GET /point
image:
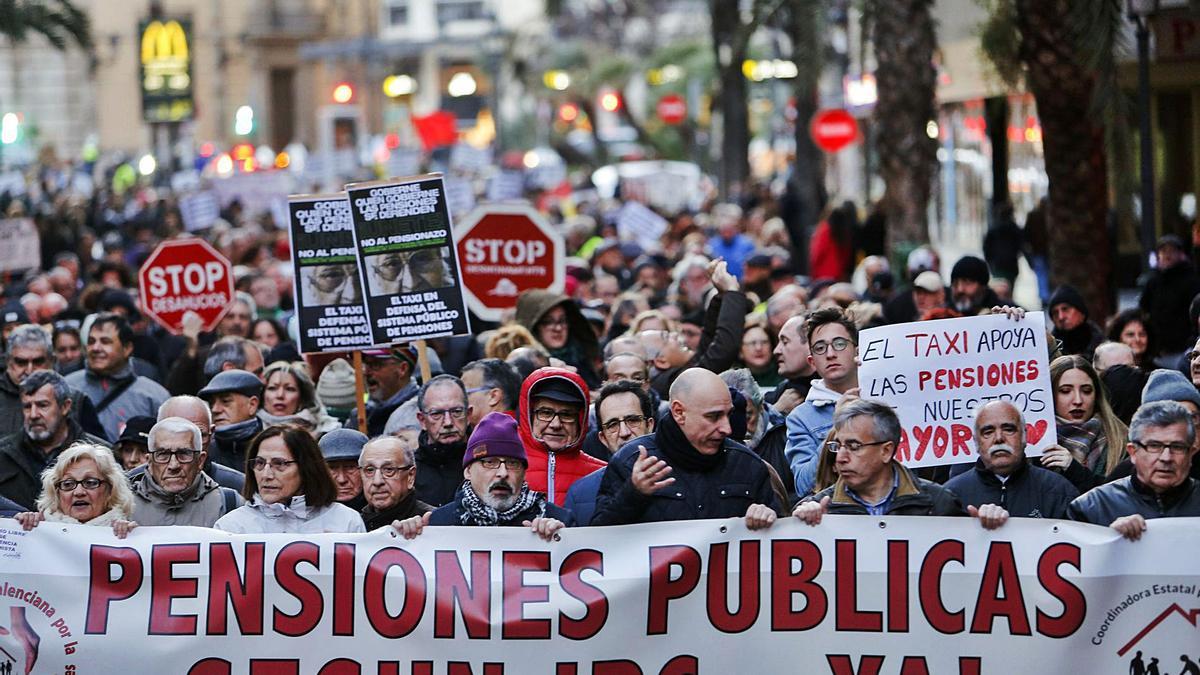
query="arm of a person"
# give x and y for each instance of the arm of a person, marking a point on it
(618, 502)
(722, 351)
(801, 453)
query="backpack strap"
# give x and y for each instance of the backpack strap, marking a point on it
(229, 498)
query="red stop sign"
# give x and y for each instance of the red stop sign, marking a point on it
(185, 275)
(833, 130)
(672, 109)
(503, 250)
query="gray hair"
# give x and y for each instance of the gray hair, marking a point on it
(407, 454)
(120, 498)
(248, 300)
(887, 424)
(404, 417)
(1020, 415)
(185, 398)
(229, 349)
(1160, 414)
(688, 262)
(743, 381)
(440, 381)
(27, 336)
(38, 379)
(175, 425)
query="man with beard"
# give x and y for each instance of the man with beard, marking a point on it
(341, 449)
(1002, 479)
(234, 396)
(388, 468)
(442, 411)
(495, 492)
(46, 431)
(389, 376)
(969, 286)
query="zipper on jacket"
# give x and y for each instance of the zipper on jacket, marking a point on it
(550, 478)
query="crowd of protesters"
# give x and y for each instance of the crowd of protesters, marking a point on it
(701, 377)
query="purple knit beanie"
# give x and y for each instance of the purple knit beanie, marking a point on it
(495, 436)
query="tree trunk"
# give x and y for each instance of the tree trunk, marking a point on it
(730, 52)
(805, 191)
(904, 41)
(1073, 145)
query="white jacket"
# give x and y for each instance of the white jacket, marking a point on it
(259, 517)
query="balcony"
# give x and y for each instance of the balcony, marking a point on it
(284, 20)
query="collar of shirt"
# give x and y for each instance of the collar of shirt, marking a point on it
(879, 508)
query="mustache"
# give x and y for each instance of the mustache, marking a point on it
(1001, 447)
(500, 485)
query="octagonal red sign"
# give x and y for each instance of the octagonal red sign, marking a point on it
(504, 249)
(185, 275)
(833, 129)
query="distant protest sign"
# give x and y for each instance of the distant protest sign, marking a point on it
(936, 373)
(329, 298)
(407, 260)
(20, 248)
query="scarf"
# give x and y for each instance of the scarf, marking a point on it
(678, 450)
(316, 417)
(439, 454)
(103, 520)
(153, 492)
(529, 504)
(239, 432)
(1085, 440)
(296, 506)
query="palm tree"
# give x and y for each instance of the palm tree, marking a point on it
(905, 40)
(59, 21)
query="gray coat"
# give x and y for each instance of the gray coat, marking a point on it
(142, 397)
(200, 505)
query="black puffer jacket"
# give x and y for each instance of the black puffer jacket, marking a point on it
(439, 471)
(1167, 297)
(1128, 496)
(1030, 492)
(914, 497)
(739, 480)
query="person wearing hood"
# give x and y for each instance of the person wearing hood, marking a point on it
(552, 418)
(288, 489)
(1167, 298)
(109, 381)
(969, 289)
(559, 325)
(689, 468)
(174, 490)
(833, 352)
(233, 396)
(1069, 313)
(443, 413)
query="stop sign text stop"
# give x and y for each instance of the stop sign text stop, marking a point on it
(509, 251)
(190, 278)
(182, 276)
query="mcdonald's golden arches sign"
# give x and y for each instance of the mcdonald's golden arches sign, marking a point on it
(166, 59)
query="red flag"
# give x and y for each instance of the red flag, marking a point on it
(436, 129)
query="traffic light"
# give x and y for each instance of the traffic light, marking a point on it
(343, 92)
(610, 101)
(568, 112)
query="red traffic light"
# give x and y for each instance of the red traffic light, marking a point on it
(568, 112)
(343, 92)
(610, 101)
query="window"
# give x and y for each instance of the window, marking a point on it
(397, 13)
(449, 11)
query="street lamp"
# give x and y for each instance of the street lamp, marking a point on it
(1140, 12)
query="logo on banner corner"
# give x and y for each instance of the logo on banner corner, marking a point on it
(1152, 637)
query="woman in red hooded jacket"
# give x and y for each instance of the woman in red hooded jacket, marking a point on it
(552, 418)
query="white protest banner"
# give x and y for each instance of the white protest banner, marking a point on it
(460, 196)
(936, 373)
(404, 162)
(256, 191)
(636, 221)
(854, 595)
(506, 185)
(199, 210)
(467, 158)
(20, 246)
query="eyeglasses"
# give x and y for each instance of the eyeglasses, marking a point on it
(164, 456)
(553, 323)
(387, 471)
(548, 414)
(1156, 448)
(476, 390)
(853, 447)
(277, 465)
(89, 484)
(420, 262)
(493, 463)
(612, 425)
(454, 413)
(838, 344)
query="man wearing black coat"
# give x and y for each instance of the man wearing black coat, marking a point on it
(1168, 296)
(688, 469)
(1069, 313)
(1003, 477)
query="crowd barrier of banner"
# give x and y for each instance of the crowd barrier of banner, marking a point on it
(853, 595)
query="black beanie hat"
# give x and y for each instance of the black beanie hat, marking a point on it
(739, 416)
(971, 268)
(1067, 294)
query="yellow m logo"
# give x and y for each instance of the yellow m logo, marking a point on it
(164, 41)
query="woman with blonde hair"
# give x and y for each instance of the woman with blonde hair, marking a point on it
(651, 319)
(291, 396)
(85, 486)
(1091, 439)
(507, 338)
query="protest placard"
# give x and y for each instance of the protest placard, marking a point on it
(637, 222)
(407, 260)
(936, 373)
(199, 210)
(20, 247)
(325, 283)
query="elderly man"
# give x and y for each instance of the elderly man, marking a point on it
(791, 359)
(442, 412)
(1162, 446)
(492, 386)
(389, 375)
(174, 490)
(388, 469)
(196, 411)
(234, 397)
(1109, 354)
(689, 468)
(495, 492)
(341, 449)
(1002, 478)
(109, 381)
(30, 350)
(552, 417)
(47, 430)
(870, 481)
(970, 293)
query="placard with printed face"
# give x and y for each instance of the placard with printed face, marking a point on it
(408, 266)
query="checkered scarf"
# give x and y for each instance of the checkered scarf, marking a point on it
(529, 505)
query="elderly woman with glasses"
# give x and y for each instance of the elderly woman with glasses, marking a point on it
(84, 487)
(288, 489)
